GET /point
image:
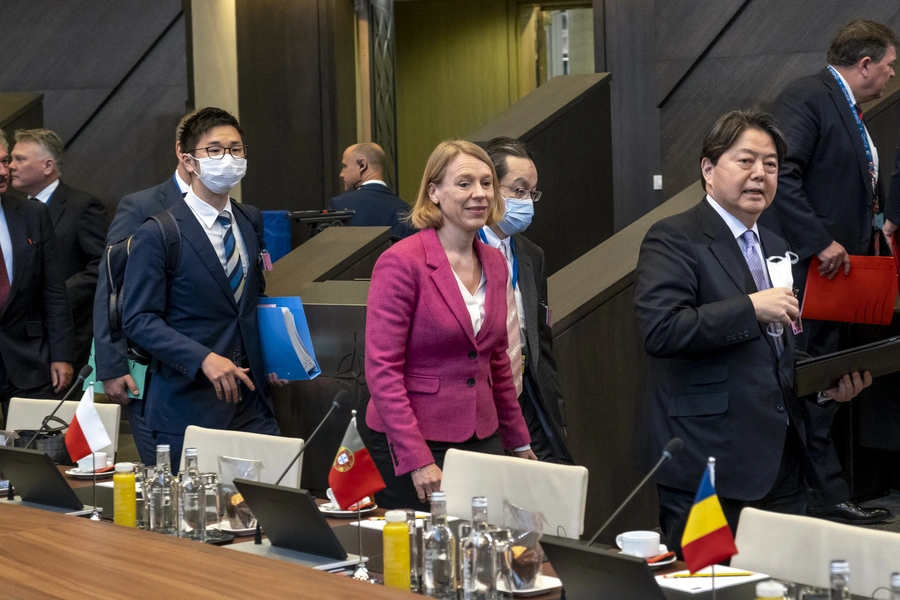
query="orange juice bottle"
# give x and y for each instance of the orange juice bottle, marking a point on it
(396, 550)
(124, 496)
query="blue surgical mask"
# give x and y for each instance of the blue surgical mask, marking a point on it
(518, 216)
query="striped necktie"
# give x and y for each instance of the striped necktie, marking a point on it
(234, 269)
(513, 333)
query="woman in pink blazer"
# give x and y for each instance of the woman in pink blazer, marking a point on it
(436, 361)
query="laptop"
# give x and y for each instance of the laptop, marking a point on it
(291, 519)
(36, 479)
(592, 572)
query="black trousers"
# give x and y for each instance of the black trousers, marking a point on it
(400, 491)
(9, 390)
(546, 441)
(788, 496)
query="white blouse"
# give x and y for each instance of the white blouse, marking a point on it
(474, 302)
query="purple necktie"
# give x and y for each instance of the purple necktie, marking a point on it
(754, 262)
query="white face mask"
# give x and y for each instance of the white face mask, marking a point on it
(518, 216)
(219, 175)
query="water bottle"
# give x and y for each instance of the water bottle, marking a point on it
(191, 499)
(840, 580)
(163, 494)
(396, 550)
(770, 590)
(895, 586)
(503, 558)
(140, 510)
(124, 500)
(439, 549)
(415, 556)
(211, 505)
(465, 530)
(478, 556)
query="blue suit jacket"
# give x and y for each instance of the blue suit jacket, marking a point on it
(375, 205)
(133, 210)
(197, 315)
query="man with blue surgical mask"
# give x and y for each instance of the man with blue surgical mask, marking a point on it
(199, 323)
(542, 404)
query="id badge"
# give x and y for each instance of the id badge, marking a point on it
(879, 221)
(266, 259)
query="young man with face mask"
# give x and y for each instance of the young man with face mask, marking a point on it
(541, 402)
(200, 324)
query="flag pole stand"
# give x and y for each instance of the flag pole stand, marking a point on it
(95, 514)
(361, 573)
(713, 572)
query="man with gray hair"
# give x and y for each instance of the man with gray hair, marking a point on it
(830, 206)
(35, 322)
(79, 223)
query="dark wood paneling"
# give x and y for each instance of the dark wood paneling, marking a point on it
(631, 59)
(563, 114)
(292, 65)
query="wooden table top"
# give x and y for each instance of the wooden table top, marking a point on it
(102, 560)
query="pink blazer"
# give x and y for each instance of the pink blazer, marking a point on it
(430, 377)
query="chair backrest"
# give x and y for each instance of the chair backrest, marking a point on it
(558, 491)
(28, 413)
(274, 451)
(799, 548)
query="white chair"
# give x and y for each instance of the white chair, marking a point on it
(799, 548)
(28, 413)
(558, 491)
(274, 451)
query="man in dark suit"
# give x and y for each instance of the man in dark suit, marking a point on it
(829, 205)
(362, 171)
(79, 223)
(110, 358)
(716, 378)
(35, 322)
(201, 327)
(541, 401)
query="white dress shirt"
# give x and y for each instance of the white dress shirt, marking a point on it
(503, 245)
(207, 215)
(474, 302)
(6, 244)
(44, 194)
(737, 229)
(182, 185)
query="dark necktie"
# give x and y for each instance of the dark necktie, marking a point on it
(234, 269)
(754, 262)
(4, 283)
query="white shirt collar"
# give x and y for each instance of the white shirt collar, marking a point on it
(184, 187)
(737, 228)
(378, 181)
(44, 194)
(493, 239)
(205, 213)
(846, 86)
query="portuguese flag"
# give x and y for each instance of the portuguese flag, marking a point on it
(707, 540)
(353, 475)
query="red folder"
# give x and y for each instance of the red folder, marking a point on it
(867, 295)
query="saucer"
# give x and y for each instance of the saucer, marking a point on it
(543, 583)
(79, 474)
(329, 509)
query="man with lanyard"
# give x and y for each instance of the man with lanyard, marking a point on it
(540, 399)
(828, 205)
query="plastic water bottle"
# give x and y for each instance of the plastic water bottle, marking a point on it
(770, 590)
(124, 497)
(895, 586)
(396, 550)
(163, 494)
(439, 576)
(840, 580)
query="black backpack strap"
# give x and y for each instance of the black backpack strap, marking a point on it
(259, 234)
(171, 234)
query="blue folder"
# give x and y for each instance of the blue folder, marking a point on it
(279, 356)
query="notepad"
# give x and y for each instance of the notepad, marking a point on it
(867, 295)
(699, 585)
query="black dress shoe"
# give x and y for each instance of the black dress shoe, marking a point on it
(851, 513)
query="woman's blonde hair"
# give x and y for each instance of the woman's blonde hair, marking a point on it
(426, 213)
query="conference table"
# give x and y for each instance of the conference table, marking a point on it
(43, 553)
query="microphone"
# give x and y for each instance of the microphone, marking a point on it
(672, 448)
(341, 399)
(83, 374)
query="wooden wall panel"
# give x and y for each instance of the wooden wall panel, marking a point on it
(113, 78)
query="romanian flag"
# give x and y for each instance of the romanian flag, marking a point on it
(353, 474)
(707, 540)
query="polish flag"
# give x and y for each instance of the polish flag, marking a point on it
(86, 433)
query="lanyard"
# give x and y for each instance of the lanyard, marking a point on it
(859, 124)
(515, 259)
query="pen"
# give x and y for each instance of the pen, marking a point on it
(728, 574)
(382, 518)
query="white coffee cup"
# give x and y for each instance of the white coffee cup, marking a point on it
(99, 461)
(643, 544)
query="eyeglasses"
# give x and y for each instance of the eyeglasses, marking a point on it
(522, 193)
(217, 152)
